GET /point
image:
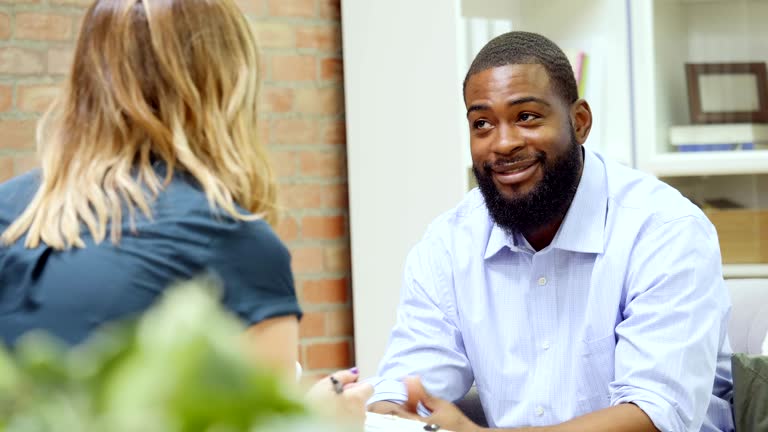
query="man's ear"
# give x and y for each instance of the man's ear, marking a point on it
(581, 119)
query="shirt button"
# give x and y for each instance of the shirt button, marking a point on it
(542, 281)
(545, 345)
(539, 411)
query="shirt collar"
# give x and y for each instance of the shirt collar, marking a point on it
(583, 228)
(497, 241)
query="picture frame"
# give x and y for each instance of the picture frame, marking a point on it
(727, 92)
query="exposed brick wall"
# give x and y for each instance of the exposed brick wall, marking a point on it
(302, 120)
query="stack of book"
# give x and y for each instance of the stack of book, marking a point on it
(578, 60)
(719, 137)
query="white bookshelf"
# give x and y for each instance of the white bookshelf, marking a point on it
(671, 164)
(745, 271)
(665, 35)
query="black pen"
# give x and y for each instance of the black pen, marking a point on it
(337, 386)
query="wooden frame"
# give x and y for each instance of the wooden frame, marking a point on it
(693, 72)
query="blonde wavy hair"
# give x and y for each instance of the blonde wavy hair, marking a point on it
(168, 80)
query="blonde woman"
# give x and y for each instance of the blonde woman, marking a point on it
(151, 173)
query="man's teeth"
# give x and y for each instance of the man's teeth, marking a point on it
(516, 170)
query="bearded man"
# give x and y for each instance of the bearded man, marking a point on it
(575, 293)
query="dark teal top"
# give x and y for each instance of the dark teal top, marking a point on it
(69, 293)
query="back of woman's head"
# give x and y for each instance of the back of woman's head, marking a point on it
(152, 80)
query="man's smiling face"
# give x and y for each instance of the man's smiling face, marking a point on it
(525, 154)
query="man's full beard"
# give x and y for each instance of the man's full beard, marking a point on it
(546, 202)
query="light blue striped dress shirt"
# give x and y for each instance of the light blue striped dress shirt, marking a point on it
(627, 304)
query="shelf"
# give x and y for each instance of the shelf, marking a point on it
(744, 162)
(744, 271)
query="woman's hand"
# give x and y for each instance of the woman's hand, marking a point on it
(346, 406)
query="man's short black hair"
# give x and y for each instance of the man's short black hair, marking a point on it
(519, 47)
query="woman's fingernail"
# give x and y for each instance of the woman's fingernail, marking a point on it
(354, 370)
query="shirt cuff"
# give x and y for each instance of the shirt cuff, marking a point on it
(387, 390)
(661, 413)
(392, 391)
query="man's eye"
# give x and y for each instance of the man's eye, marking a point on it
(482, 124)
(527, 117)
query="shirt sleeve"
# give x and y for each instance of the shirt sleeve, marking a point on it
(255, 270)
(673, 326)
(425, 340)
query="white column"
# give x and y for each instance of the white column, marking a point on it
(404, 146)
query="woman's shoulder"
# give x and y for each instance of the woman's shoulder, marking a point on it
(255, 268)
(250, 249)
(24, 183)
(252, 239)
(16, 194)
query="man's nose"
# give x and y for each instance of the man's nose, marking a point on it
(509, 140)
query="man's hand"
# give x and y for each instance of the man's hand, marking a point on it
(444, 413)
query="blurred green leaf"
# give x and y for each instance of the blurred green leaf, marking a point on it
(179, 368)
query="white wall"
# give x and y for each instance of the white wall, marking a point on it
(404, 146)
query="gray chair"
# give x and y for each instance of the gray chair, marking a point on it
(747, 329)
(748, 326)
